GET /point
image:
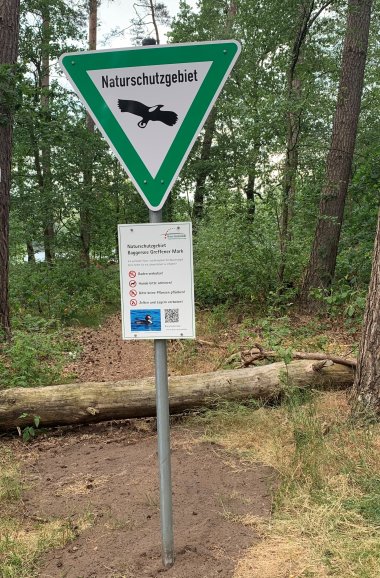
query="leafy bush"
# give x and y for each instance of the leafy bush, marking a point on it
(63, 291)
(32, 358)
(234, 259)
(343, 300)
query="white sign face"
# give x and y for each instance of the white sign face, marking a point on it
(150, 103)
(156, 275)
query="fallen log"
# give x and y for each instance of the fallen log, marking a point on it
(81, 403)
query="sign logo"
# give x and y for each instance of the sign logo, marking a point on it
(148, 113)
(174, 234)
(150, 104)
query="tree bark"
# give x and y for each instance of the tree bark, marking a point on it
(293, 118)
(365, 395)
(321, 267)
(84, 212)
(95, 402)
(306, 19)
(204, 168)
(9, 35)
(153, 14)
(250, 193)
(47, 179)
(30, 251)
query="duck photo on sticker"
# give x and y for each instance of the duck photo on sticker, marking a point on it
(148, 113)
(145, 319)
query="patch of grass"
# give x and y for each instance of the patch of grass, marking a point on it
(65, 292)
(183, 355)
(10, 481)
(327, 505)
(96, 317)
(367, 504)
(23, 540)
(36, 355)
(22, 544)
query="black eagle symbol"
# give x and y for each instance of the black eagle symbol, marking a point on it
(148, 113)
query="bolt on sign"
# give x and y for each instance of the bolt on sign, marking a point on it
(150, 104)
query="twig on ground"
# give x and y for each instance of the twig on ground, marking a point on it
(262, 354)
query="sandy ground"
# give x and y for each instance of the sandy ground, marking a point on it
(107, 476)
(104, 478)
(106, 357)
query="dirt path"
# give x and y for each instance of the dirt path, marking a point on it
(105, 356)
(103, 481)
(106, 478)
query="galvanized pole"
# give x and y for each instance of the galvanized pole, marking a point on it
(163, 433)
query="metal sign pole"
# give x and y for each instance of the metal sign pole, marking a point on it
(163, 433)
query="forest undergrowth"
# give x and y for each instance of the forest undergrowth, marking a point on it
(326, 512)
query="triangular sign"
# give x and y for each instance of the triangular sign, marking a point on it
(150, 104)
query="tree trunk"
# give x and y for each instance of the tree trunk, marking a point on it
(321, 267)
(365, 395)
(306, 19)
(204, 170)
(48, 218)
(204, 167)
(153, 14)
(84, 212)
(293, 117)
(30, 251)
(95, 402)
(9, 33)
(250, 194)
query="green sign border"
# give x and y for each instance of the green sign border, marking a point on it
(223, 55)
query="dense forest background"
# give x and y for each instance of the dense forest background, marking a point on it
(252, 185)
(282, 188)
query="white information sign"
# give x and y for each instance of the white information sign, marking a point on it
(156, 274)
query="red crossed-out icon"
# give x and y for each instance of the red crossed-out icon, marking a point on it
(132, 283)
(133, 302)
(132, 274)
(133, 292)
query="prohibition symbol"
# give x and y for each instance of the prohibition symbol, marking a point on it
(133, 302)
(132, 283)
(133, 292)
(132, 274)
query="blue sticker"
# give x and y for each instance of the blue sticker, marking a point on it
(145, 320)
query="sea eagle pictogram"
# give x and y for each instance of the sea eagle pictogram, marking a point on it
(148, 113)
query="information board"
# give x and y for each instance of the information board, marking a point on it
(156, 274)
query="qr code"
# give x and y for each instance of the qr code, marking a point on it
(171, 315)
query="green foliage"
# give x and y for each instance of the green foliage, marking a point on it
(343, 300)
(42, 297)
(10, 483)
(275, 330)
(30, 431)
(10, 94)
(236, 254)
(368, 504)
(34, 357)
(232, 259)
(65, 291)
